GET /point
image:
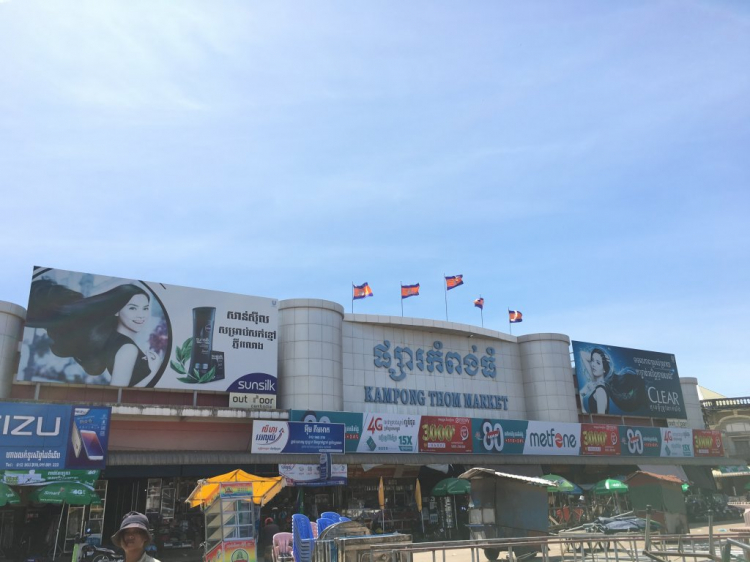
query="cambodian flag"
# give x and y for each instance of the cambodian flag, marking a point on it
(361, 291)
(479, 303)
(409, 291)
(515, 316)
(453, 281)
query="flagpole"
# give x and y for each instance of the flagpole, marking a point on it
(402, 299)
(445, 288)
(510, 326)
(481, 312)
(352, 297)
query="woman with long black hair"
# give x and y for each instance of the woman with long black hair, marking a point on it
(97, 332)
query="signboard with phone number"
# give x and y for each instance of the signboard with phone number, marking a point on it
(53, 436)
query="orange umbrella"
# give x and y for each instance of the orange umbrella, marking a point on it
(381, 500)
(418, 496)
(418, 499)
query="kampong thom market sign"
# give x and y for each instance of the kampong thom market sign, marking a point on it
(52, 436)
(631, 382)
(402, 433)
(402, 361)
(93, 329)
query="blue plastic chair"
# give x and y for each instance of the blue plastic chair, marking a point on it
(335, 517)
(303, 538)
(324, 522)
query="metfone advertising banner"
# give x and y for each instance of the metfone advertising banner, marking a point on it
(640, 441)
(53, 436)
(707, 443)
(548, 438)
(351, 420)
(309, 475)
(631, 382)
(389, 433)
(676, 442)
(499, 436)
(444, 434)
(97, 330)
(297, 437)
(599, 439)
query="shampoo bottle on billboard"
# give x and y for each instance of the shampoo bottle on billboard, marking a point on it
(203, 329)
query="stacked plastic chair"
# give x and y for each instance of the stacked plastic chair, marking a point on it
(303, 538)
(324, 522)
(282, 547)
(332, 515)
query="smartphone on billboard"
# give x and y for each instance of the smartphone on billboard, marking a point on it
(77, 443)
(92, 445)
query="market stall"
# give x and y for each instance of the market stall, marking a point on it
(507, 505)
(231, 506)
(664, 495)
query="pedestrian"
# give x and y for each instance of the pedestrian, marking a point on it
(265, 542)
(133, 537)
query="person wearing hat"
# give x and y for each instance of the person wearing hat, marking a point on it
(133, 537)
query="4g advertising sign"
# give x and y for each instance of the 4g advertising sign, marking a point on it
(389, 433)
(707, 443)
(676, 442)
(599, 439)
(441, 434)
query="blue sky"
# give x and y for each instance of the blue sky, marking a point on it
(583, 162)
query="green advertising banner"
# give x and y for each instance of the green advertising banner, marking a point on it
(41, 477)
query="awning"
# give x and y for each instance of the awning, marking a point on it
(264, 489)
(485, 472)
(700, 476)
(665, 470)
(534, 470)
(727, 471)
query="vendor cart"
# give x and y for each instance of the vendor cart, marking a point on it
(231, 505)
(505, 506)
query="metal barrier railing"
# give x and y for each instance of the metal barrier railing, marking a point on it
(583, 548)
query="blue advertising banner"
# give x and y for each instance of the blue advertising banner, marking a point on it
(53, 436)
(297, 437)
(623, 381)
(351, 420)
(498, 436)
(640, 441)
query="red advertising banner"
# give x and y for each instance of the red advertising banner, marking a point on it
(600, 439)
(707, 443)
(442, 434)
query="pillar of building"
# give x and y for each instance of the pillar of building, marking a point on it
(548, 377)
(12, 318)
(311, 375)
(692, 403)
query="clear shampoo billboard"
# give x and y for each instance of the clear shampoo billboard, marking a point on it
(632, 382)
(97, 330)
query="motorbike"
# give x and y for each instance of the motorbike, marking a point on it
(88, 552)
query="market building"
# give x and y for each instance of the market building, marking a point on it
(388, 397)
(731, 416)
